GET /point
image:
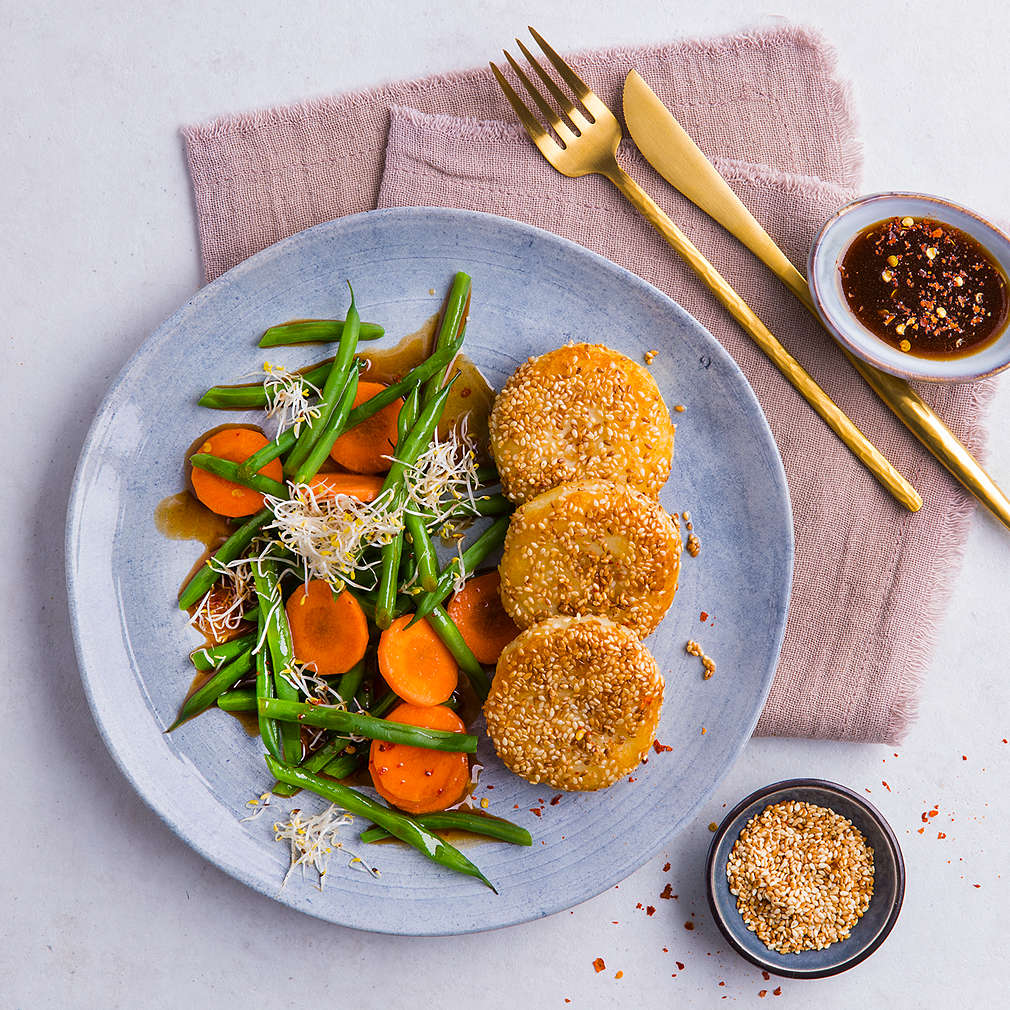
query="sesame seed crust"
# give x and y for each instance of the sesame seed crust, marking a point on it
(582, 410)
(802, 876)
(574, 703)
(591, 547)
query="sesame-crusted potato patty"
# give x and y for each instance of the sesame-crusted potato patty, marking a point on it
(580, 411)
(591, 547)
(574, 703)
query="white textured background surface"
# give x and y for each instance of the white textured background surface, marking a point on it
(103, 905)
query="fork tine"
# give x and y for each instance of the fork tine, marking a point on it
(561, 127)
(537, 133)
(576, 83)
(567, 105)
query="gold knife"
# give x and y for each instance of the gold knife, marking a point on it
(667, 146)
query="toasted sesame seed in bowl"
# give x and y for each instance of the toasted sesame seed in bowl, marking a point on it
(805, 878)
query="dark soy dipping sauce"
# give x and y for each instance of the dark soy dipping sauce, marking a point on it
(925, 287)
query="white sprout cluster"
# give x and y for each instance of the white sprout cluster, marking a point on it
(219, 612)
(288, 397)
(328, 533)
(313, 840)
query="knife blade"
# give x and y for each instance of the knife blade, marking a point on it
(670, 150)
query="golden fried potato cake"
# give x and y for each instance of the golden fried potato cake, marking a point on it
(580, 411)
(574, 703)
(591, 547)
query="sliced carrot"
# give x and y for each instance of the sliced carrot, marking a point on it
(415, 663)
(364, 487)
(366, 447)
(477, 611)
(225, 497)
(329, 633)
(416, 779)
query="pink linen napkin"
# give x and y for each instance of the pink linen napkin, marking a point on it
(871, 579)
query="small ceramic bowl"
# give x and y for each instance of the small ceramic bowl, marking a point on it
(826, 256)
(878, 919)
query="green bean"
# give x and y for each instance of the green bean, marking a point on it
(384, 704)
(345, 764)
(249, 396)
(413, 378)
(334, 384)
(211, 657)
(241, 699)
(314, 331)
(457, 306)
(424, 551)
(270, 732)
(488, 542)
(487, 475)
(282, 444)
(393, 821)
(360, 724)
(331, 431)
(351, 681)
(203, 581)
(444, 626)
(462, 820)
(205, 696)
(410, 443)
(278, 640)
(230, 471)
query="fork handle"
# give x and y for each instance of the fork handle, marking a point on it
(836, 419)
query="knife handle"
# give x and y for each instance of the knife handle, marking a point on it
(710, 191)
(834, 417)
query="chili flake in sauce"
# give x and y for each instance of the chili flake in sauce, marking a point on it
(925, 287)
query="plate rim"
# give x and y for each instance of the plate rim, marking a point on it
(77, 499)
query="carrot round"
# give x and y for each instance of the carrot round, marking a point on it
(328, 633)
(416, 664)
(478, 613)
(225, 497)
(364, 487)
(367, 446)
(415, 779)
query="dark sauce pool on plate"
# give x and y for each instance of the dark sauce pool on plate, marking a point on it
(925, 287)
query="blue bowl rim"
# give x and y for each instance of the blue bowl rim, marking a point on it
(862, 350)
(871, 811)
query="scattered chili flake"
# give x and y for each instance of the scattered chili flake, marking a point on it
(667, 893)
(650, 909)
(631, 778)
(599, 964)
(976, 885)
(964, 757)
(777, 991)
(555, 800)
(762, 993)
(666, 950)
(704, 616)
(703, 731)
(619, 974)
(660, 748)
(679, 407)
(722, 983)
(680, 966)
(941, 834)
(919, 831)
(689, 925)
(666, 867)
(885, 785)
(765, 975)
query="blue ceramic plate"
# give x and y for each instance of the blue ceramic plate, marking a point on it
(532, 292)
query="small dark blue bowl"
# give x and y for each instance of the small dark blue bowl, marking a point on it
(888, 886)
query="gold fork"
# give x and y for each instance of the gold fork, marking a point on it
(589, 136)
